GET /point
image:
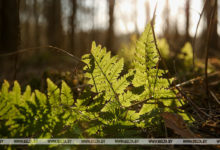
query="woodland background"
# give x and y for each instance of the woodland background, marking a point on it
(73, 24)
(34, 32)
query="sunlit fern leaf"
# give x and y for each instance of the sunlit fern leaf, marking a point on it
(103, 72)
(53, 93)
(148, 75)
(66, 95)
(4, 102)
(35, 114)
(42, 99)
(16, 92)
(27, 94)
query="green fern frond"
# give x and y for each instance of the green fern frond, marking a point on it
(150, 77)
(4, 102)
(16, 92)
(66, 94)
(103, 72)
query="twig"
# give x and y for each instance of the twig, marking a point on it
(215, 97)
(193, 104)
(42, 47)
(207, 50)
(161, 58)
(194, 80)
(150, 98)
(197, 27)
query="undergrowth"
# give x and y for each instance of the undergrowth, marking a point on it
(118, 103)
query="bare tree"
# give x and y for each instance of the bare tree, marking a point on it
(110, 35)
(36, 18)
(212, 7)
(148, 11)
(9, 25)
(54, 24)
(72, 24)
(187, 11)
(167, 17)
(135, 16)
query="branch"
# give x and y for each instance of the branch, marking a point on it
(42, 47)
(197, 27)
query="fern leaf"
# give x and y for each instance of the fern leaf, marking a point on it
(4, 102)
(148, 76)
(103, 72)
(16, 92)
(66, 94)
(41, 97)
(53, 93)
(27, 94)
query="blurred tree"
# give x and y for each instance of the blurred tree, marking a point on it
(148, 11)
(72, 24)
(110, 33)
(9, 25)
(53, 16)
(187, 11)
(167, 19)
(212, 7)
(93, 9)
(36, 18)
(25, 11)
(135, 16)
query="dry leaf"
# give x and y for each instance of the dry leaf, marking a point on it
(177, 124)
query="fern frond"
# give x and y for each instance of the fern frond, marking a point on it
(66, 94)
(149, 76)
(103, 72)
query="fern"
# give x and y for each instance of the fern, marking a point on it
(103, 72)
(148, 77)
(107, 108)
(34, 114)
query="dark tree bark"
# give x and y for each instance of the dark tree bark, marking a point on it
(54, 24)
(212, 6)
(72, 24)
(36, 17)
(187, 20)
(9, 25)
(110, 34)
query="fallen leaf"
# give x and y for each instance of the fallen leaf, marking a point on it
(177, 124)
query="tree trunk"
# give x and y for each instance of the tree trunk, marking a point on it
(36, 17)
(110, 34)
(54, 24)
(9, 25)
(73, 25)
(187, 37)
(212, 6)
(167, 17)
(148, 11)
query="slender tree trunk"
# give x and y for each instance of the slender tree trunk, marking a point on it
(9, 25)
(9, 29)
(110, 35)
(167, 16)
(187, 36)
(211, 6)
(36, 17)
(135, 17)
(73, 24)
(54, 24)
(93, 21)
(148, 11)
